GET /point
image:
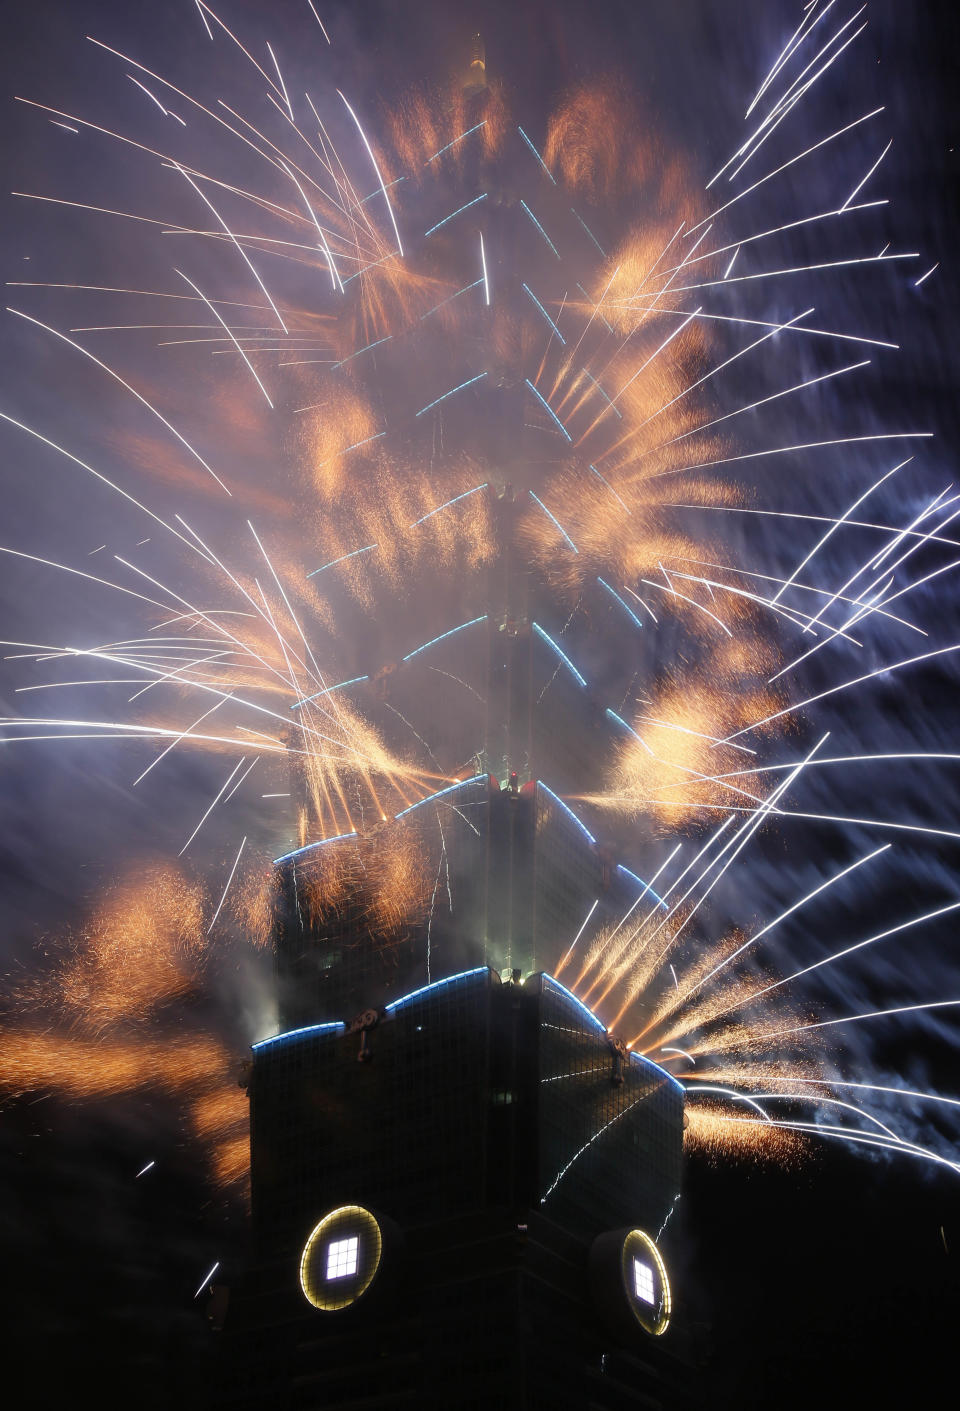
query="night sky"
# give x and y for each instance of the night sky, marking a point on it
(831, 1278)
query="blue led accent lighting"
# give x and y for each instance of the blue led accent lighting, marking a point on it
(448, 503)
(590, 301)
(328, 691)
(453, 631)
(537, 155)
(590, 233)
(614, 594)
(562, 655)
(342, 559)
(578, 1002)
(555, 329)
(439, 795)
(645, 885)
(380, 189)
(343, 361)
(437, 984)
(437, 400)
(540, 227)
(641, 1058)
(450, 298)
(310, 846)
(543, 401)
(603, 394)
(568, 811)
(357, 444)
(555, 520)
(608, 485)
(476, 128)
(457, 212)
(296, 1033)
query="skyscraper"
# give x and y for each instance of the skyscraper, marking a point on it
(461, 1188)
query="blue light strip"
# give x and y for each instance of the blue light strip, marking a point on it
(448, 503)
(645, 885)
(357, 444)
(540, 227)
(380, 189)
(629, 728)
(540, 398)
(437, 400)
(459, 211)
(555, 520)
(590, 233)
(328, 690)
(603, 394)
(451, 788)
(297, 852)
(296, 1033)
(568, 811)
(450, 298)
(608, 485)
(614, 594)
(373, 263)
(549, 320)
(476, 128)
(537, 155)
(562, 655)
(641, 1058)
(578, 1002)
(346, 360)
(342, 559)
(437, 984)
(443, 635)
(590, 301)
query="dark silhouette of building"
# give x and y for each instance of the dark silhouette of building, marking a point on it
(459, 1195)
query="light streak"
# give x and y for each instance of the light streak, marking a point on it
(646, 886)
(626, 607)
(784, 914)
(146, 90)
(540, 228)
(802, 446)
(869, 174)
(376, 169)
(206, 1279)
(216, 800)
(832, 690)
(576, 938)
(918, 282)
(318, 20)
(227, 887)
(617, 412)
(562, 655)
(443, 636)
(283, 86)
(537, 155)
(836, 525)
(144, 1170)
(222, 223)
(798, 269)
(733, 260)
(483, 263)
(551, 516)
(447, 503)
(546, 405)
(342, 559)
(458, 212)
(459, 388)
(229, 333)
(870, 1014)
(123, 383)
(556, 330)
(476, 128)
(674, 592)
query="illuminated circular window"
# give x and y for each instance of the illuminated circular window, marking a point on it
(645, 1282)
(341, 1258)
